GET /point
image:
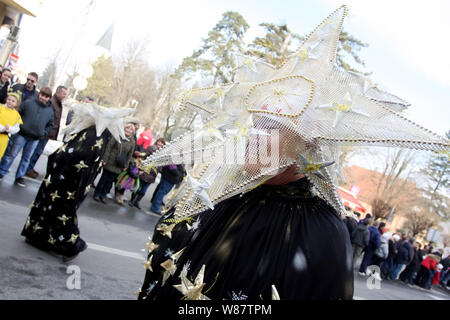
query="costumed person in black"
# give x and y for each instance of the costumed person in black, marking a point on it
(52, 223)
(241, 227)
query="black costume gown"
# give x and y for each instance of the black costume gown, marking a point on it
(273, 235)
(52, 223)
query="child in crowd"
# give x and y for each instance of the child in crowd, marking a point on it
(10, 120)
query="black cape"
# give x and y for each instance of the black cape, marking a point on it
(52, 223)
(273, 235)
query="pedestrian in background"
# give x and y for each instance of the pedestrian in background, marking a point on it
(5, 83)
(10, 120)
(360, 239)
(56, 103)
(147, 178)
(374, 243)
(115, 160)
(28, 90)
(37, 117)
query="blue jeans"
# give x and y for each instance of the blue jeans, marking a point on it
(445, 276)
(164, 188)
(395, 271)
(143, 188)
(15, 145)
(105, 183)
(37, 153)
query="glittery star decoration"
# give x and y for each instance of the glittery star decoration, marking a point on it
(73, 238)
(98, 144)
(47, 180)
(36, 227)
(192, 290)
(51, 240)
(62, 149)
(64, 219)
(307, 167)
(27, 223)
(311, 106)
(166, 230)
(81, 165)
(71, 195)
(87, 189)
(148, 264)
(31, 205)
(170, 268)
(87, 115)
(54, 195)
(151, 246)
(275, 295)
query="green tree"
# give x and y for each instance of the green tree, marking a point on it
(215, 57)
(349, 46)
(100, 83)
(274, 46)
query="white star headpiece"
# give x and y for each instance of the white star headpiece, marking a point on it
(310, 107)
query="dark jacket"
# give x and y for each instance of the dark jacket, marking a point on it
(112, 151)
(4, 92)
(173, 173)
(57, 112)
(360, 236)
(148, 177)
(37, 119)
(375, 238)
(393, 248)
(24, 93)
(351, 224)
(403, 255)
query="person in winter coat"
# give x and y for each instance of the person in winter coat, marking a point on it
(351, 223)
(374, 243)
(56, 103)
(410, 273)
(113, 165)
(171, 175)
(10, 120)
(381, 254)
(403, 258)
(37, 118)
(147, 178)
(28, 89)
(445, 273)
(360, 239)
(388, 265)
(426, 271)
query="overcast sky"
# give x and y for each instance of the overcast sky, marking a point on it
(407, 54)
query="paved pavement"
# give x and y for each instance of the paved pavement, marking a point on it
(111, 266)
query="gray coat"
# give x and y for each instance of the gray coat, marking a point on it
(37, 119)
(112, 151)
(360, 236)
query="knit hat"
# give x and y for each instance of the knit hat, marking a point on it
(15, 95)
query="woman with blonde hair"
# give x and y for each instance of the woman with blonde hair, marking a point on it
(10, 120)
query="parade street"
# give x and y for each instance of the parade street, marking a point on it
(111, 267)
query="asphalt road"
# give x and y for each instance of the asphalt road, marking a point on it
(110, 269)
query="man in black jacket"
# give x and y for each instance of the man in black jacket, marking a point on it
(27, 90)
(56, 103)
(171, 175)
(37, 117)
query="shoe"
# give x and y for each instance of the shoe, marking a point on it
(102, 200)
(32, 174)
(67, 258)
(96, 198)
(20, 182)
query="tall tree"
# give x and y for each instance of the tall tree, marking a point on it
(100, 83)
(274, 46)
(48, 77)
(215, 57)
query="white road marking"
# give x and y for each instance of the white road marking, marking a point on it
(358, 298)
(435, 298)
(118, 252)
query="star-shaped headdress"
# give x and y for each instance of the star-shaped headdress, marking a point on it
(270, 118)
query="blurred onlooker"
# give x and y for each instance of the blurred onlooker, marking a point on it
(27, 90)
(116, 159)
(374, 243)
(360, 239)
(5, 82)
(56, 103)
(410, 273)
(147, 178)
(445, 273)
(404, 256)
(426, 271)
(37, 117)
(10, 120)
(388, 265)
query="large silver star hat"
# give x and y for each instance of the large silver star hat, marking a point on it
(91, 114)
(269, 119)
